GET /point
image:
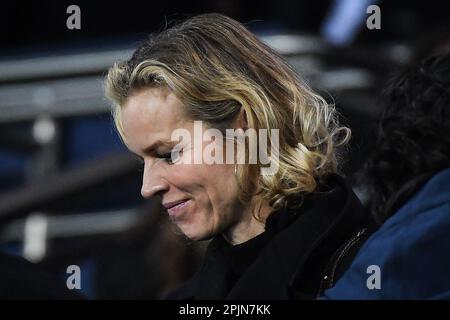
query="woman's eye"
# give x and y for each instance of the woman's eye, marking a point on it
(172, 156)
(167, 157)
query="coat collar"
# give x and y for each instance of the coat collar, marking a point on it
(293, 262)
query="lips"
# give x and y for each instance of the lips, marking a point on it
(172, 204)
(175, 208)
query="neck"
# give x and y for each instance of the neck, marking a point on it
(248, 227)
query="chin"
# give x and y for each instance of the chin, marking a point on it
(195, 233)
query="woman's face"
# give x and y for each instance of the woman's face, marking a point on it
(201, 198)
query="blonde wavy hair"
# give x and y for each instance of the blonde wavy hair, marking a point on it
(215, 66)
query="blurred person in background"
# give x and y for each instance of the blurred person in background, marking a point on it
(273, 236)
(407, 183)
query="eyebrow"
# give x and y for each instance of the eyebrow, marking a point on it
(159, 143)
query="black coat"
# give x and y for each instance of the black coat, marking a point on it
(301, 253)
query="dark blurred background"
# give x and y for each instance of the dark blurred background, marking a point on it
(70, 192)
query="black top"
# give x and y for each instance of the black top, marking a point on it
(237, 258)
(289, 259)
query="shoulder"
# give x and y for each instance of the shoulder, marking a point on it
(329, 229)
(409, 249)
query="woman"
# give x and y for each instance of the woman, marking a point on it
(273, 234)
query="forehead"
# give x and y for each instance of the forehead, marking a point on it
(149, 115)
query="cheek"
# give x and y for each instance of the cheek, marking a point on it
(215, 182)
(219, 185)
(186, 178)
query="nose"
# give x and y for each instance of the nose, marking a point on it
(152, 182)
